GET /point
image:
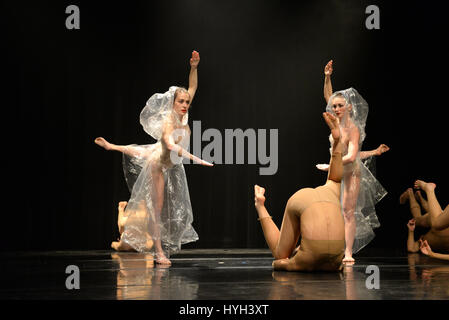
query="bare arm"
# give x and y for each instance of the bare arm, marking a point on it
(193, 76)
(327, 81)
(376, 152)
(336, 164)
(170, 144)
(412, 245)
(425, 248)
(439, 256)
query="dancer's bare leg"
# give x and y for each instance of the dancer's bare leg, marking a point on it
(415, 209)
(439, 219)
(350, 194)
(422, 201)
(290, 228)
(129, 150)
(158, 202)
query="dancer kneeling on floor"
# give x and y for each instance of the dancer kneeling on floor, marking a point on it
(312, 214)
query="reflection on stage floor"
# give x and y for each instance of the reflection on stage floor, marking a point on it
(231, 274)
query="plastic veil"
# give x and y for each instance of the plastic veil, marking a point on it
(358, 180)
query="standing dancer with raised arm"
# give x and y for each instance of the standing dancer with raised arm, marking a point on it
(159, 211)
(360, 189)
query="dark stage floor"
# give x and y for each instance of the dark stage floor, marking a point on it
(234, 274)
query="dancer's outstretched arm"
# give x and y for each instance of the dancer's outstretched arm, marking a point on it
(327, 81)
(376, 152)
(169, 142)
(363, 155)
(193, 76)
(425, 248)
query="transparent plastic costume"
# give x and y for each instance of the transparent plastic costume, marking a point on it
(159, 208)
(363, 183)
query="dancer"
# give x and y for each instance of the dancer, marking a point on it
(439, 219)
(312, 214)
(360, 189)
(122, 221)
(435, 219)
(155, 174)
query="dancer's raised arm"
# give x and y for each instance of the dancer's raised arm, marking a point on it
(336, 164)
(327, 81)
(193, 76)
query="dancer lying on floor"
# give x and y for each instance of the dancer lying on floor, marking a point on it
(434, 218)
(312, 214)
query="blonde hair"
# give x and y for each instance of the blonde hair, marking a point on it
(181, 90)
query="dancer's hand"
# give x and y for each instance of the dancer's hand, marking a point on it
(425, 248)
(333, 125)
(382, 149)
(323, 167)
(411, 225)
(259, 197)
(205, 163)
(328, 68)
(195, 60)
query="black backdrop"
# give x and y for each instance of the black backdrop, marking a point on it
(261, 67)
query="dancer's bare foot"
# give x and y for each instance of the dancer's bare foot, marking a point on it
(405, 196)
(121, 246)
(103, 143)
(426, 186)
(281, 264)
(348, 257)
(162, 259)
(348, 260)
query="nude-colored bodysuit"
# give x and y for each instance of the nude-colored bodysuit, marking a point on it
(322, 228)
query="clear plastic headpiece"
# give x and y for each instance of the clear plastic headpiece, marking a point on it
(156, 111)
(359, 111)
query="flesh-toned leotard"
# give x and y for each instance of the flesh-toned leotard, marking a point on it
(322, 228)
